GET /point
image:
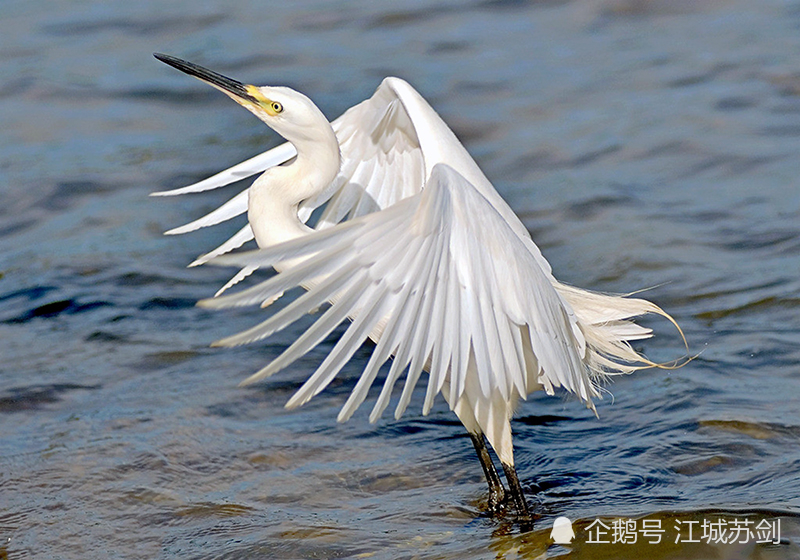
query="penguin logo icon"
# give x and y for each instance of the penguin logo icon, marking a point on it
(562, 532)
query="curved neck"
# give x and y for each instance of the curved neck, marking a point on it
(276, 195)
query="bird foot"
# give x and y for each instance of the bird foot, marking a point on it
(502, 507)
(497, 501)
(525, 519)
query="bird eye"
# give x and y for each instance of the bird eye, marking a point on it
(277, 107)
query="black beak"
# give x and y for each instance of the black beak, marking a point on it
(227, 85)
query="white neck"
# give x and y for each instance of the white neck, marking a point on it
(275, 196)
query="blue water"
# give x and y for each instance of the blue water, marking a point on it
(645, 144)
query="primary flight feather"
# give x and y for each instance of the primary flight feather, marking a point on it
(416, 248)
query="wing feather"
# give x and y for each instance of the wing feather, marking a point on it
(436, 345)
(239, 238)
(316, 333)
(238, 277)
(351, 340)
(414, 278)
(292, 312)
(275, 156)
(399, 344)
(234, 207)
(388, 343)
(419, 334)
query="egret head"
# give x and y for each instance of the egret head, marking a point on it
(289, 113)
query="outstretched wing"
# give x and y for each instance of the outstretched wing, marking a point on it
(382, 161)
(440, 281)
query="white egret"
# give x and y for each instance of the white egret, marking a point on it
(416, 248)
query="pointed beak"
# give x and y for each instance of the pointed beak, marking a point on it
(237, 90)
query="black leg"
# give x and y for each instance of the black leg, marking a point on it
(497, 493)
(518, 496)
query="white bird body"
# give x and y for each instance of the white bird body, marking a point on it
(420, 252)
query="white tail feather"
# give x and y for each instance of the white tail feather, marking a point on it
(605, 321)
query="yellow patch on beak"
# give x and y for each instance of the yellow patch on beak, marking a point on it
(265, 103)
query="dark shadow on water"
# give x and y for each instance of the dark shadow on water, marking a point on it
(30, 293)
(65, 195)
(56, 308)
(30, 398)
(543, 420)
(168, 303)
